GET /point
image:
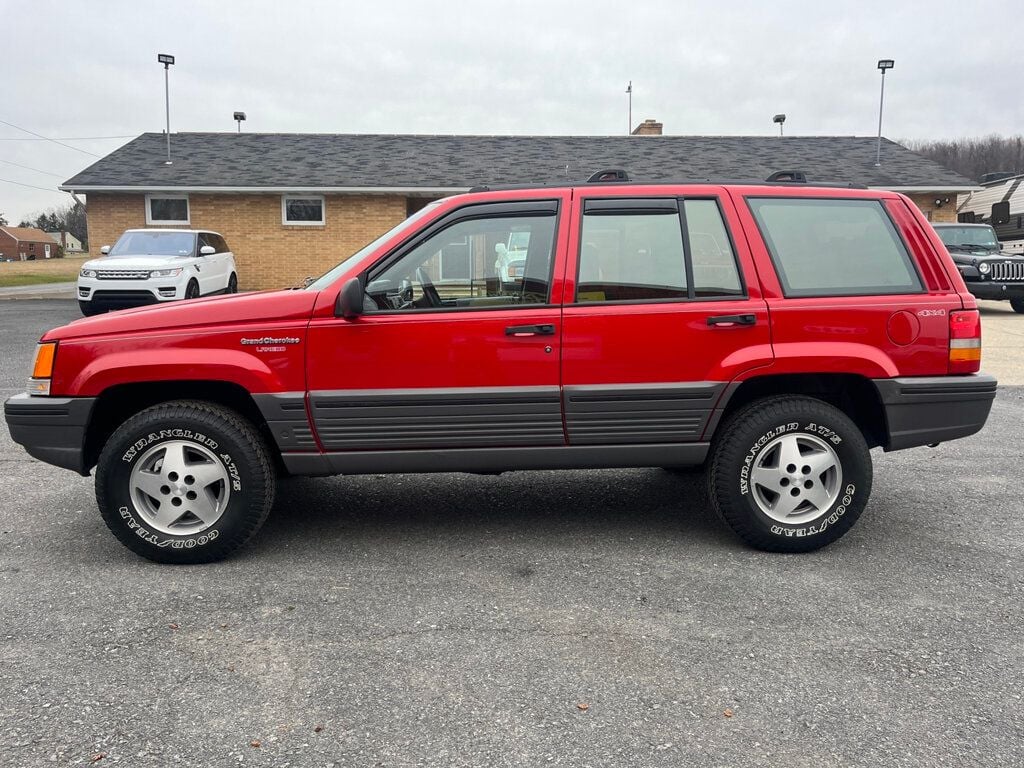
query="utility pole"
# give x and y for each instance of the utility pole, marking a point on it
(166, 59)
(629, 124)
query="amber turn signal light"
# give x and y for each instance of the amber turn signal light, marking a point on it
(45, 354)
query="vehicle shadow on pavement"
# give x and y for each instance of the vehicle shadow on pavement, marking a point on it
(651, 503)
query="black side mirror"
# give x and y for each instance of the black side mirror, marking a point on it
(350, 300)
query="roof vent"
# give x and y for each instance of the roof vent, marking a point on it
(798, 177)
(609, 174)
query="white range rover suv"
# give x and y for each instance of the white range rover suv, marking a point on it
(150, 266)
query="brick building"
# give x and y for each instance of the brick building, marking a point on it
(293, 205)
(26, 244)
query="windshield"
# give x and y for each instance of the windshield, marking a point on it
(980, 237)
(154, 244)
(329, 277)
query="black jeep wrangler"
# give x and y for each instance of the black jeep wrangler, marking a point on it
(988, 272)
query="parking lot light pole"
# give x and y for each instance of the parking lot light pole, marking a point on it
(239, 117)
(780, 119)
(166, 59)
(883, 64)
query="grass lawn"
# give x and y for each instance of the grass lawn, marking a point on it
(14, 273)
(12, 281)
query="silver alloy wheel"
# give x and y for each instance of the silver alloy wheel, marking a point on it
(179, 487)
(796, 478)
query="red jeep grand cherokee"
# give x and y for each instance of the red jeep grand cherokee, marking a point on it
(776, 332)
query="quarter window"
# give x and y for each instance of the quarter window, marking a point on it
(834, 247)
(486, 262)
(302, 210)
(167, 209)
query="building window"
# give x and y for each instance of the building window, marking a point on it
(167, 209)
(302, 210)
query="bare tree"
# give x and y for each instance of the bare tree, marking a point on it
(66, 218)
(974, 157)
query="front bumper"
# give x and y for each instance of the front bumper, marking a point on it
(933, 409)
(120, 294)
(52, 429)
(992, 289)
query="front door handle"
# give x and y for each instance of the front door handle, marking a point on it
(530, 330)
(728, 320)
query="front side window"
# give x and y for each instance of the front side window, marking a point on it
(834, 247)
(475, 263)
(302, 210)
(167, 209)
(631, 257)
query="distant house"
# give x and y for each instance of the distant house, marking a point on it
(292, 205)
(25, 244)
(67, 241)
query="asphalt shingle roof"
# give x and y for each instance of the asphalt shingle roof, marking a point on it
(306, 161)
(28, 234)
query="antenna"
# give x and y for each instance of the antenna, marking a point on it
(629, 124)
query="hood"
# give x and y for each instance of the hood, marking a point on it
(138, 262)
(194, 315)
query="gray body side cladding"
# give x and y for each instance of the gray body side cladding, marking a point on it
(933, 409)
(285, 414)
(496, 459)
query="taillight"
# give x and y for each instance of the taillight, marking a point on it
(965, 341)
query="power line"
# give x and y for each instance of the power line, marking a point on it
(30, 168)
(33, 186)
(26, 130)
(67, 138)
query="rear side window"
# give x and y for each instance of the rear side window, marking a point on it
(632, 257)
(834, 247)
(714, 264)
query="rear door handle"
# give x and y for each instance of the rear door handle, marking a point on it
(530, 330)
(727, 320)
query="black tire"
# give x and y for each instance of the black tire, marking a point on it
(88, 309)
(233, 283)
(756, 433)
(226, 441)
(192, 290)
(1018, 305)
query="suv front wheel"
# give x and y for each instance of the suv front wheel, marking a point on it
(790, 474)
(184, 482)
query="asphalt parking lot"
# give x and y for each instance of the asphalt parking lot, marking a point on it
(554, 618)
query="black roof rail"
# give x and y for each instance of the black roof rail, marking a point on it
(798, 177)
(608, 174)
(671, 182)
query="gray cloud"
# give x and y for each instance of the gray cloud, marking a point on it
(525, 67)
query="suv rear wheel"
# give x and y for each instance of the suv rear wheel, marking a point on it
(790, 474)
(184, 482)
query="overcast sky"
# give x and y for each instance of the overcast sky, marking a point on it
(88, 69)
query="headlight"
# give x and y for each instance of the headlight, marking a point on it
(165, 272)
(87, 273)
(984, 267)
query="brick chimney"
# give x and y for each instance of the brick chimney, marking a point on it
(648, 128)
